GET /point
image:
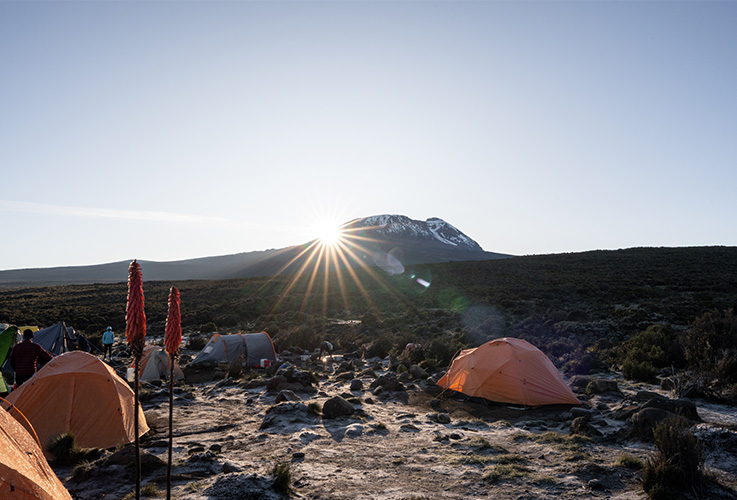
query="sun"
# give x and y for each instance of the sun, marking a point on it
(329, 234)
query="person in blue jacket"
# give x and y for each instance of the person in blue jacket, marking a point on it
(108, 339)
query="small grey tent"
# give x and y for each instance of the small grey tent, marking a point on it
(56, 339)
(253, 347)
(154, 365)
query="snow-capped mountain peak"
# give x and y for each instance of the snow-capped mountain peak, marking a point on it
(432, 231)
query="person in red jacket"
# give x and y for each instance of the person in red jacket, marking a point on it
(25, 356)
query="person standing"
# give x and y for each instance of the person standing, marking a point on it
(24, 358)
(108, 339)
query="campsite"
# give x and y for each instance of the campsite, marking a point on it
(349, 427)
(369, 420)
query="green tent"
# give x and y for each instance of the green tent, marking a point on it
(7, 340)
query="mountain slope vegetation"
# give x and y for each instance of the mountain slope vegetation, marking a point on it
(579, 308)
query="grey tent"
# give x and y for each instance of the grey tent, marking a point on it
(56, 339)
(253, 347)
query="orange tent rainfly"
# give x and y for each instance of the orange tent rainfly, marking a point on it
(24, 472)
(76, 392)
(508, 371)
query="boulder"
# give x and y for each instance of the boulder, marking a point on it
(293, 375)
(345, 366)
(417, 371)
(286, 395)
(581, 426)
(272, 385)
(681, 407)
(644, 421)
(625, 412)
(337, 407)
(579, 382)
(388, 382)
(643, 396)
(600, 386)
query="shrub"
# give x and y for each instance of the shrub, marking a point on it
(711, 345)
(629, 461)
(641, 371)
(678, 463)
(64, 448)
(196, 342)
(380, 347)
(208, 327)
(282, 477)
(644, 354)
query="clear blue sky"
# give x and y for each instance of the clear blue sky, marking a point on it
(168, 130)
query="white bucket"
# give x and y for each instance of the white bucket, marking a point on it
(130, 375)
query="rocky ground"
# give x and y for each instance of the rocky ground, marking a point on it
(352, 429)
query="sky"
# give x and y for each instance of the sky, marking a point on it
(167, 130)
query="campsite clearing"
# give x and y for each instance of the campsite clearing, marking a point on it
(229, 435)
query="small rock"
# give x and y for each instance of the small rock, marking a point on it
(354, 431)
(443, 418)
(216, 448)
(581, 412)
(581, 426)
(356, 385)
(595, 484)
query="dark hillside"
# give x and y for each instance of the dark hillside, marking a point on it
(567, 304)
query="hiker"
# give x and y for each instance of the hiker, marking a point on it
(326, 349)
(108, 339)
(25, 356)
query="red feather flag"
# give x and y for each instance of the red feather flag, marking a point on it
(173, 332)
(135, 317)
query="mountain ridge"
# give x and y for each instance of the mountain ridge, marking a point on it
(368, 241)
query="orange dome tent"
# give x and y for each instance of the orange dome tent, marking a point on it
(24, 472)
(76, 392)
(508, 371)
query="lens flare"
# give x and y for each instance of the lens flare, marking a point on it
(329, 234)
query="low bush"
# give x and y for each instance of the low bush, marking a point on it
(282, 478)
(711, 345)
(64, 448)
(644, 354)
(678, 463)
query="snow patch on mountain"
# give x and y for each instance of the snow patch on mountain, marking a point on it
(434, 229)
